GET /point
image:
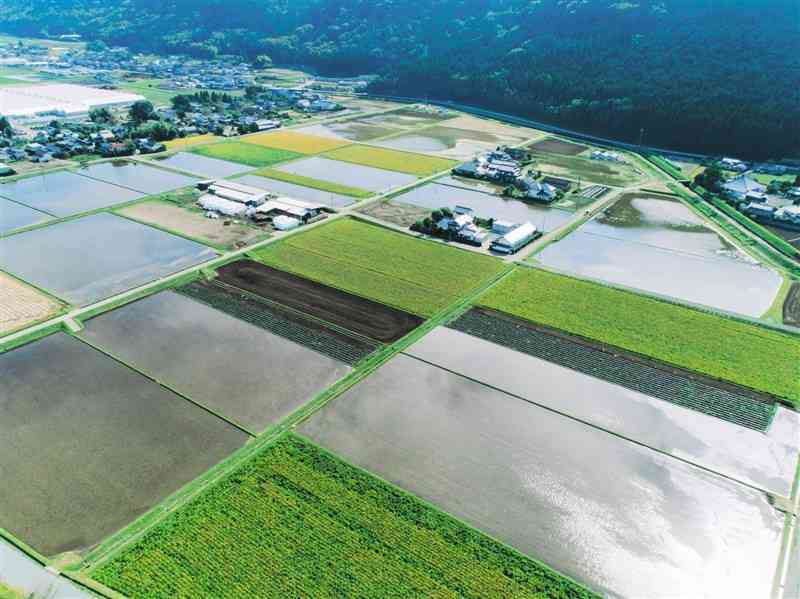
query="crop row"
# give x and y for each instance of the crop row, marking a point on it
(657, 382)
(297, 521)
(750, 355)
(249, 154)
(396, 269)
(280, 322)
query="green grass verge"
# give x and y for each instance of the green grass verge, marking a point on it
(7, 593)
(346, 190)
(249, 154)
(752, 356)
(298, 521)
(392, 160)
(399, 270)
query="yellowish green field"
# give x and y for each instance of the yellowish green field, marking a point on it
(193, 140)
(249, 154)
(419, 276)
(346, 190)
(292, 141)
(392, 160)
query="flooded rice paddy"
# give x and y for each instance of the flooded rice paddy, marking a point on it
(16, 216)
(87, 444)
(658, 245)
(345, 173)
(590, 504)
(203, 165)
(140, 177)
(448, 141)
(352, 130)
(244, 373)
(125, 255)
(64, 193)
(767, 461)
(437, 195)
(298, 192)
(18, 571)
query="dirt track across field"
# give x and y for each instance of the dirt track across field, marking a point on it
(791, 307)
(357, 314)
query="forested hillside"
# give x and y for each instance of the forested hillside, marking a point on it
(715, 76)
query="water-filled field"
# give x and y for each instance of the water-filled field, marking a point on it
(203, 165)
(16, 216)
(128, 254)
(87, 444)
(137, 176)
(448, 141)
(589, 504)
(356, 175)
(350, 130)
(64, 193)
(298, 192)
(240, 371)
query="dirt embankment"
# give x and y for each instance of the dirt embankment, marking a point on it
(791, 307)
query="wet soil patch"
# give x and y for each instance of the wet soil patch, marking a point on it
(556, 146)
(360, 315)
(633, 371)
(791, 307)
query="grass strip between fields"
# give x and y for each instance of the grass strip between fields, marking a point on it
(398, 270)
(392, 160)
(242, 153)
(297, 521)
(755, 357)
(346, 190)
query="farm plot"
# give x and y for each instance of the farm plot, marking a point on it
(469, 449)
(87, 445)
(552, 145)
(192, 140)
(724, 348)
(202, 165)
(348, 174)
(21, 305)
(238, 370)
(474, 123)
(417, 276)
(395, 213)
(407, 118)
(587, 170)
(393, 160)
(460, 144)
(304, 523)
(727, 282)
(296, 142)
(64, 193)
(23, 578)
(139, 177)
(434, 196)
(349, 130)
(548, 375)
(16, 216)
(245, 153)
(55, 257)
(193, 224)
(304, 188)
(791, 307)
(284, 322)
(354, 313)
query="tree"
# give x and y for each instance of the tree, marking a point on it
(142, 111)
(251, 92)
(710, 178)
(102, 116)
(262, 61)
(181, 103)
(6, 130)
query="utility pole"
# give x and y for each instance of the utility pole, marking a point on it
(641, 138)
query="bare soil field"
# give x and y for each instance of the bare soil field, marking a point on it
(396, 213)
(357, 314)
(487, 126)
(791, 307)
(21, 305)
(558, 146)
(193, 224)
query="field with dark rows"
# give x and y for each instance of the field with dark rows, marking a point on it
(418, 276)
(298, 522)
(732, 350)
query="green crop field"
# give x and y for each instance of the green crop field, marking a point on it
(249, 154)
(720, 347)
(7, 593)
(392, 160)
(411, 274)
(296, 521)
(345, 190)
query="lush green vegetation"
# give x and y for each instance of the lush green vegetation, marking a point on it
(720, 347)
(704, 76)
(297, 521)
(7, 593)
(411, 274)
(346, 190)
(392, 160)
(249, 154)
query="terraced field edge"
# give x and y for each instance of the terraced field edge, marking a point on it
(622, 368)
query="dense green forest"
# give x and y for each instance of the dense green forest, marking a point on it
(713, 76)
